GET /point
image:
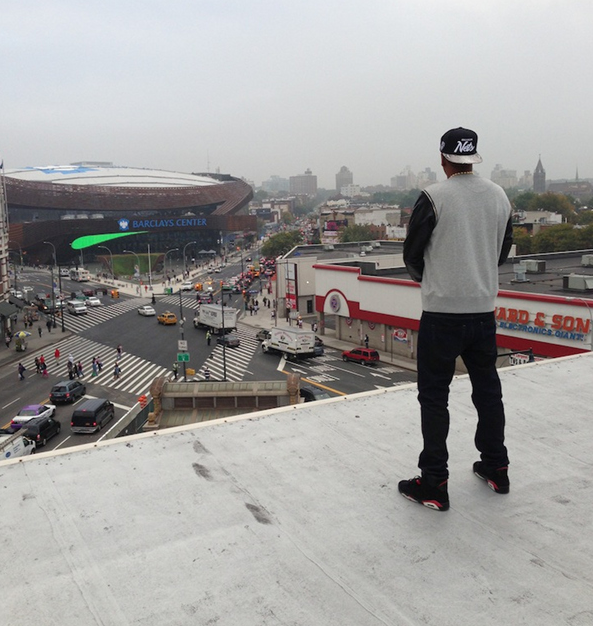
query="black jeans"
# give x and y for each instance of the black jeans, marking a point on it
(441, 339)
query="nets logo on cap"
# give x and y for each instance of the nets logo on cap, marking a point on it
(460, 145)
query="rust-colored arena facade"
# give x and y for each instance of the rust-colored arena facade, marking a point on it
(167, 209)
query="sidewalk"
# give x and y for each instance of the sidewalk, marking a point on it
(36, 345)
(264, 319)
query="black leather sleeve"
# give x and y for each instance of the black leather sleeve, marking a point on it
(422, 223)
(507, 242)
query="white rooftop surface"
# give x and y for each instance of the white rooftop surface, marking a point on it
(109, 176)
(293, 517)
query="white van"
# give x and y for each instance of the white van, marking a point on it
(14, 445)
(76, 307)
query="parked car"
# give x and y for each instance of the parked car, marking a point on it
(146, 310)
(263, 334)
(167, 318)
(309, 393)
(67, 391)
(364, 356)
(93, 301)
(31, 411)
(41, 429)
(231, 340)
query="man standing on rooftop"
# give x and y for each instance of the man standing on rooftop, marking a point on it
(459, 233)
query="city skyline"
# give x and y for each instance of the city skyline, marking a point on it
(254, 88)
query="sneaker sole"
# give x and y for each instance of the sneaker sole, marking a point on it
(431, 504)
(492, 484)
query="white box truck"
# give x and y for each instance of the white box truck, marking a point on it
(292, 343)
(215, 317)
(13, 445)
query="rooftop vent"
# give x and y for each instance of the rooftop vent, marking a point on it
(533, 266)
(577, 282)
(519, 271)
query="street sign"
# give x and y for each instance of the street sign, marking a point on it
(182, 345)
(183, 357)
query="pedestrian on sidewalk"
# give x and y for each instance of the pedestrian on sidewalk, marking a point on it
(99, 364)
(119, 352)
(94, 366)
(48, 327)
(37, 366)
(116, 371)
(21, 371)
(39, 331)
(208, 337)
(70, 370)
(44, 372)
(175, 371)
(79, 372)
(366, 341)
(7, 340)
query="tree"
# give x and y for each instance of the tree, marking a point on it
(522, 239)
(356, 232)
(555, 203)
(281, 243)
(585, 217)
(556, 239)
(521, 202)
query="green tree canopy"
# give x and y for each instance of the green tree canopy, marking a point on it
(522, 239)
(281, 243)
(521, 202)
(356, 232)
(556, 239)
(555, 203)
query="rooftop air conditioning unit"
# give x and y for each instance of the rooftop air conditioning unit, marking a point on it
(587, 260)
(519, 271)
(577, 282)
(533, 266)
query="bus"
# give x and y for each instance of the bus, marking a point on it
(80, 274)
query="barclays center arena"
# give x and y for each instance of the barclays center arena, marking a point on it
(159, 209)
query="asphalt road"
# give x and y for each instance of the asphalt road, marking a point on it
(150, 349)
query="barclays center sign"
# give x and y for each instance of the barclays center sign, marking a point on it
(126, 225)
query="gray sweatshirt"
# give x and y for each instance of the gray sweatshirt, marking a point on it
(460, 231)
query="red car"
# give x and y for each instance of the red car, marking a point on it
(364, 356)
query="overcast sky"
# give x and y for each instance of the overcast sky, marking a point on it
(261, 87)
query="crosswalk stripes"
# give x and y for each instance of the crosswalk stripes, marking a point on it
(237, 359)
(173, 302)
(135, 378)
(97, 315)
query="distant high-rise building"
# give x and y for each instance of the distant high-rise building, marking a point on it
(275, 184)
(303, 184)
(343, 178)
(539, 178)
(507, 179)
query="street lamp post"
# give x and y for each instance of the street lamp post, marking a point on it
(189, 243)
(137, 259)
(111, 256)
(223, 333)
(149, 269)
(181, 330)
(20, 249)
(53, 287)
(61, 301)
(165, 259)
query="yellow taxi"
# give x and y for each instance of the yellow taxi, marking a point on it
(167, 318)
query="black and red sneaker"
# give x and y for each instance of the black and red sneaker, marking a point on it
(496, 479)
(418, 489)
